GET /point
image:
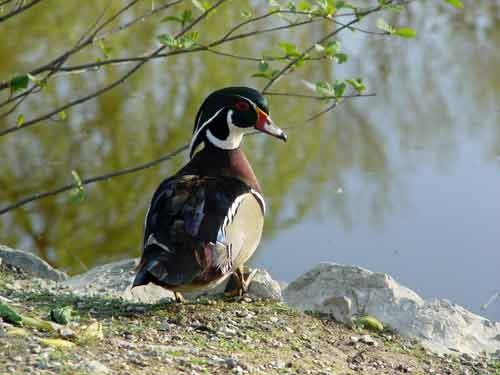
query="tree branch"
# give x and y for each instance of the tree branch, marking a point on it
(114, 84)
(92, 180)
(169, 156)
(18, 10)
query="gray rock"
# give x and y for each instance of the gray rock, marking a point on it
(263, 286)
(30, 263)
(115, 280)
(347, 291)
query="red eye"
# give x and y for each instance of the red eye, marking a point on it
(242, 106)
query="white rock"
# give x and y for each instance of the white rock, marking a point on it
(30, 263)
(115, 279)
(263, 286)
(345, 291)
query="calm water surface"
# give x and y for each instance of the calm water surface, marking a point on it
(405, 183)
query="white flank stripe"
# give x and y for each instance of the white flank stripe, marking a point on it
(260, 198)
(231, 212)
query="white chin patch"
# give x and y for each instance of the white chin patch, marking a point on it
(234, 138)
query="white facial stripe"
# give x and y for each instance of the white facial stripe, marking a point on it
(195, 135)
(234, 138)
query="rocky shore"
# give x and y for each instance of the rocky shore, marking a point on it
(334, 319)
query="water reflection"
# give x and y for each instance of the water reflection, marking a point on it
(432, 94)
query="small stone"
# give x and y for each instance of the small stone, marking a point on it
(231, 363)
(354, 339)
(165, 326)
(66, 332)
(368, 340)
(403, 369)
(35, 349)
(241, 313)
(228, 330)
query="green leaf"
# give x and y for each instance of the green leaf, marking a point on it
(188, 40)
(19, 83)
(77, 178)
(304, 6)
(246, 13)
(168, 40)
(332, 48)
(455, 3)
(324, 89)
(341, 58)
(395, 8)
(186, 17)
(61, 315)
(105, 49)
(77, 194)
(405, 32)
(266, 75)
(369, 322)
(290, 49)
(263, 66)
(382, 25)
(327, 7)
(357, 84)
(62, 115)
(339, 88)
(20, 120)
(171, 18)
(8, 314)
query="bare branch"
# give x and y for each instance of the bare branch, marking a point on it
(317, 97)
(18, 10)
(138, 19)
(147, 165)
(114, 84)
(92, 180)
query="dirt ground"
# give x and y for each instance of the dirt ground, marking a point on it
(202, 337)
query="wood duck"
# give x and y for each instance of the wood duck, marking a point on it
(205, 221)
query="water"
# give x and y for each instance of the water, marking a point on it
(405, 183)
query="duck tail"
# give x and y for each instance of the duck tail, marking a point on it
(142, 277)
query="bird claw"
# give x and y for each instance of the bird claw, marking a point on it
(243, 283)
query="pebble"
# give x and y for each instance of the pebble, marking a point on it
(368, 340)
(165, 326)
(66, 332)
(231, 363)
(238, 370)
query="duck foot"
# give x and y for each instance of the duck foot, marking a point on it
(178, 297)
(242, 283)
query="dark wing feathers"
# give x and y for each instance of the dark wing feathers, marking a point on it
(184, 238)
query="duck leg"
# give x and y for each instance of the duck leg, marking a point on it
(178, 297)
(242, 282)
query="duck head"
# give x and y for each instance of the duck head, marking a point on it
(228, 114)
